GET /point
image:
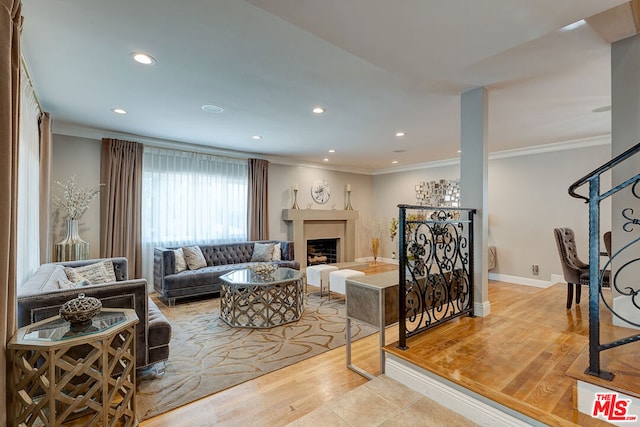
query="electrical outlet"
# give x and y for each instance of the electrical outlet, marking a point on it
(535, 270)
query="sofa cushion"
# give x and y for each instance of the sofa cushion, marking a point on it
(262, 252)
(181, 263)
(194, 257)
(44, 279)
(100, 272)
(277, 252)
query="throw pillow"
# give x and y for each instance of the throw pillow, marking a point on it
(44, 279)
(111, 272)
(194, 257)
(277, 252)
(67, 284)
(262, 252)
(181, 263)
(94, 273)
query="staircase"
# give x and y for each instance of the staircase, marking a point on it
(613, 366)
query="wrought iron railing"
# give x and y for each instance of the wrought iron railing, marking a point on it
(436, 267)
(596, 275)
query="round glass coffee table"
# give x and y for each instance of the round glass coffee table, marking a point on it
(249, 300)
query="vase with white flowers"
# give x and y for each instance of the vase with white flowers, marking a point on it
(73, 202)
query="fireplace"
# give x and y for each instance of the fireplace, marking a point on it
(316, 224)
(322, 251)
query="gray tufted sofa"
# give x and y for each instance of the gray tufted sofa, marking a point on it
(153, 331)
(221, 259)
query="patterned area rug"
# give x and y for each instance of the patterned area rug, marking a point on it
(206, 355)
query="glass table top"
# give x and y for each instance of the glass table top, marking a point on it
(248, 277)
(59, 329)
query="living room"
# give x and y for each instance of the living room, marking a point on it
(526, 185)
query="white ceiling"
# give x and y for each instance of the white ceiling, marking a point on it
(378, 66)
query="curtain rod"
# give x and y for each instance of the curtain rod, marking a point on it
(26, 70)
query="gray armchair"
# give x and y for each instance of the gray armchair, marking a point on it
(576, 272)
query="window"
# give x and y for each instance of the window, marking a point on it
(191, 198)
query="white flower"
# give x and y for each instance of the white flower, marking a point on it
(74, 202)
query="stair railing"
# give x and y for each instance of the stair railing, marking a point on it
(595, 275)
(436, 267)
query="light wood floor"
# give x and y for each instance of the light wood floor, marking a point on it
(283, 396)
(517, 356)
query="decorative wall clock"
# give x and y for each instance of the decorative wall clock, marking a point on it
(320, 191)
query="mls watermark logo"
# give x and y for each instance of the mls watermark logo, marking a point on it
(612, 408)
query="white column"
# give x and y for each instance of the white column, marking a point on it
(625, 133)
(474, 160)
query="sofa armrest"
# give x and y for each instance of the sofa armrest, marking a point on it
(164, 264)
(287, 250)
(125, 294)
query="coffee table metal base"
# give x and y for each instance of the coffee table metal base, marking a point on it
(261, 305)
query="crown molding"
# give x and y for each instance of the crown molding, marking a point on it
(594, 141)
(81, 131)
(61, 127)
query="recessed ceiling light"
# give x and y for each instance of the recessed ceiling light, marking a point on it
(318, 110)
(209, 108)
(400, 134)
(459, 151)
(143, 58)
(601, 109)
(326, 160)
(394, 162)
(119, 111)
(574, 25)
(256, 137)
(332, 151)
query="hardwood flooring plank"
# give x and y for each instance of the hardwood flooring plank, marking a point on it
(517, 356)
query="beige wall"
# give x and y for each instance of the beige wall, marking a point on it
(79, 157)
(399, 188)
(527, 199)
(282, 178)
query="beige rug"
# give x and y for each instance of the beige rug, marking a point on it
(206, 355)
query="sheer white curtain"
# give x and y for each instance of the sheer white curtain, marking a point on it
(190, 198)
(28, 241)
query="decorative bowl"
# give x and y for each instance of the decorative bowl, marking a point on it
(81, 310)
(263, 269)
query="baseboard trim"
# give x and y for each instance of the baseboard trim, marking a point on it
(471, 405)
(520, 280)
(482, 309)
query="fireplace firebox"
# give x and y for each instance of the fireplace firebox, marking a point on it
(322, 251)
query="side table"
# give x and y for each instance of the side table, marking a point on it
(374, 301)
(58, 374)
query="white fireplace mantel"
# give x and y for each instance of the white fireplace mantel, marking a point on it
(301, 221)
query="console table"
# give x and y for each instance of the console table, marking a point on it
(59, 373)
(374, 301)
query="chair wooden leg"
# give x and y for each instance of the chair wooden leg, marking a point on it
(569, 295)
(578, 292)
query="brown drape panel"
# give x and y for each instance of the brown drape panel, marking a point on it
(121, 202)
(10, 27)
(257, 203)
(46, 162)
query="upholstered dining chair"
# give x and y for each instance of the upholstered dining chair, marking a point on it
(576, 272)
(607, 242)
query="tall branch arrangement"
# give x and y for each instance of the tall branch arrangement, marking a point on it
(73, 201)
